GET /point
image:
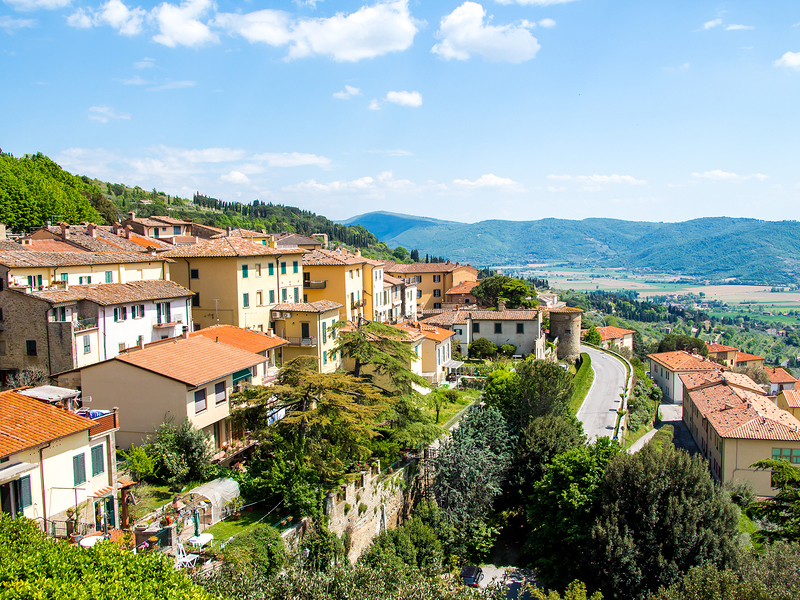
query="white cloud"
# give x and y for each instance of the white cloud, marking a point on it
(9, 24)
(26, 5)
(718, 175)
(293, 159)
(534, 2)
(374, 104)
(738, 27)
(790, 59)
(413, 99)
(547, 23)
(600, 179)
(145, 63)
(488, 180)
(104, 114)
(348, 92)
(369, 32)
(560, 188)
(371, 187)
(680, 68)
(180, 25)
(136, 80)
(174, 85)
(235, 177)
(114, 14)
(710, 24)
(463, 33)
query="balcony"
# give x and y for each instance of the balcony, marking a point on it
(315, 285)
(161, 322)
(82, 324)
(358, 303)
(307, 342)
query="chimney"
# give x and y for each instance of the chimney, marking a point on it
(64, 230)
(270, 333)
(501, 305)
(228, 231)
(132, 215)
(128, 230)
(358, 251)
(185, 332)
(141, 342)
(91, 229)
(272, 242)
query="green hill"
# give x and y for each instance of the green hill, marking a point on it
(749, 250)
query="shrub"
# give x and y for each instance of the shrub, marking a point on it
(482, 348)
(258, 551)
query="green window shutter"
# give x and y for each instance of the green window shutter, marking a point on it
(24, 488)
(294, 266)
(272, 295)
(244, 271)
(324, 334)
(98, 465)
(271, 269)
(109, 277)
(283, 268)
(79, 469)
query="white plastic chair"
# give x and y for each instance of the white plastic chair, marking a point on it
(182, 559)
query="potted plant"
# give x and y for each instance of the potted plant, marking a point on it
(70, 522)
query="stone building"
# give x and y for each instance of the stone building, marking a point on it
(565, 326)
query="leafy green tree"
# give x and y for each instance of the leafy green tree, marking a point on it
(413, 427)
(482, 348)
(260, 550)
(574, 591)
(380, 349)
(537, 388)
(412, 543)
(182, 452)
(470, 469)
(514, 292)
(330, 417)
(782, 511)
(676, 341)
(508, 349)
(593, 336)
(32, 565)
(400, 253)
(439, 398)
(562, 509)
(539, 441)
(662, 514)
(139, 462)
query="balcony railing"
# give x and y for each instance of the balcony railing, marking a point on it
(315, 285)
(162, 322)
(358, 303)
(85, 323)
(308, 342)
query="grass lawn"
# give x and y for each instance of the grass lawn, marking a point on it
(249, 520)
(582, 382)
(450, 409)
(632, 436)
(149, 497)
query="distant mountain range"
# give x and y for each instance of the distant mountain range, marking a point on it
(749, 250)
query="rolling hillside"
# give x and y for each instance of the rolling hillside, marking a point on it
(749, 250)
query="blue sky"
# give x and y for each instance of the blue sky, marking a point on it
(509, 109)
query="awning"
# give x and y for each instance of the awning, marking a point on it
(51, 393)
(241, 375)
(14, 471)
(452, 364)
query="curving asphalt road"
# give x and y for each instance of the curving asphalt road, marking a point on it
(599, 410)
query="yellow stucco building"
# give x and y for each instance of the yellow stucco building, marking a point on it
(237, 282)
(307, 328)
(338, 276)
(433, 280)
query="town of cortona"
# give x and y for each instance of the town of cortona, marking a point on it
(398, 300)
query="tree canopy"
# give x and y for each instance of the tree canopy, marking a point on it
(675, 341)
(782, 511)
(514, 292)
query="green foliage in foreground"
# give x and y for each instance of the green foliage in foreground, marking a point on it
(259, 551)
(782, 511)
(582, 383)
(35, 566)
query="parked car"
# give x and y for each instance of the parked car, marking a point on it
(472, 575)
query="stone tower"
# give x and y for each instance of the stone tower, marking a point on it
(565, 324)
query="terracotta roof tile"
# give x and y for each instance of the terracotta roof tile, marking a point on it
(792, 398)
(228, 246)
(445, 267)
(321, 257)
(51, 246)
(319, 306)
(26, 423)
(107, 294)
(431, 332)
(565, 309)
(66, 259)
(392, 280)
(447, 319)
(245, 339)
(193, 361)
(720, 348)
(745, 357)
(502, 315)
(779, 375)
(680, 360)
(9, 246)
(465, 287)
(613, 333)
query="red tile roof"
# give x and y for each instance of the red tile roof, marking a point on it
(193, 361)
(680, 360)
(792, 398)
(318, 307)
(31, 258)
(740, 415)
(745, 357)
(779, 375)
(321, 257)
(565, 310)
(226, 247)
(445, 267)
(26, 423)
(106, 294)
(714, 348)
(429, 331)
(614, 333)
(51, 246)
(245, 339)
(465, 287)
